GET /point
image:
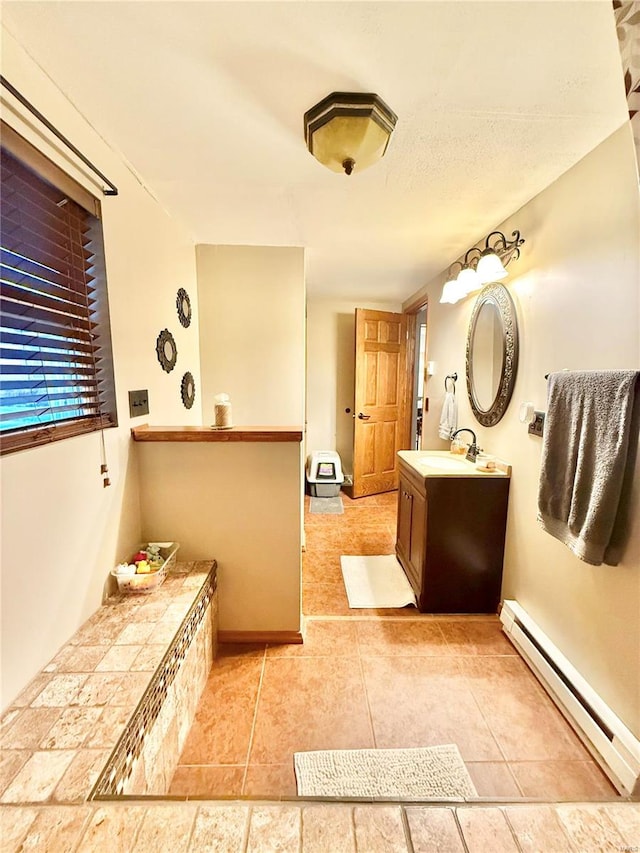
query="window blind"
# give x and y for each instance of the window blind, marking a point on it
(55, 343)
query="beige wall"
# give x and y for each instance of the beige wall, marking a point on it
(251, 302)
(331, 333)
(576, 290)
(240, 504)
(62, 531)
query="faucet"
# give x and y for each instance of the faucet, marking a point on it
(473, 450)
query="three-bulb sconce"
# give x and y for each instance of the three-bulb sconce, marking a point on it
(481, 266)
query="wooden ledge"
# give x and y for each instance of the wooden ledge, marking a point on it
(202, 433)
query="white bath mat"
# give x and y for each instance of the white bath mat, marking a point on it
(433, 773)
(376, 582)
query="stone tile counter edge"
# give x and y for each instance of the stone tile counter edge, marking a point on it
(110, 713)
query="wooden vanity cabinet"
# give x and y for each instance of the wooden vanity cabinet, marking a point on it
(450, 540)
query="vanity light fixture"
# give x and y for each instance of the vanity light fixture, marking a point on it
(349, 131)
(489, 265)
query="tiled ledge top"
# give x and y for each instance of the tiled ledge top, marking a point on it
(318, 827)
(58, 734)
(208, 433)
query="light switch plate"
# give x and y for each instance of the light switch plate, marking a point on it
(138, 403)
(536, 427)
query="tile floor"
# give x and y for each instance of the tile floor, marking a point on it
(379, 679)
(213, 827)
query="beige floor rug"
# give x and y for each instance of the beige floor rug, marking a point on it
(376, 582)
(423, 773)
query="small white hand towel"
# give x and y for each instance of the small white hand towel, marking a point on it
(449, 416)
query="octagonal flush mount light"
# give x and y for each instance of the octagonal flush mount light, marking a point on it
(349, 131)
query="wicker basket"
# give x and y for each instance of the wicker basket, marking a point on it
(146, 583)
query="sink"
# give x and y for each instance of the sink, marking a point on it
(444, 463)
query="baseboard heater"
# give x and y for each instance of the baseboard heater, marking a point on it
(611, 743)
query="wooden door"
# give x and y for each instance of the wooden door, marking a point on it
(382, 401)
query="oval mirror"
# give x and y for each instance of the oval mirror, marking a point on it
(492, 354)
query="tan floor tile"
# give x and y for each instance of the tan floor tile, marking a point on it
(82, 658)
(221, 731)
(326, 710)
(130, 689)
(434, 829)
(119, 659)
(486, 829)
(388, 638)
(135, 633)
(32, 690)
(328, 828)
(108, 727)
(537, 829)
(39, 776)
(325, 599)
(153, 611)
(98, 689)
(70, 729)
(33, 725)
(493, 779)
(81, 775)
(60, 691)
(207, 780)
(14, 825)
(8, 719)
(423, 701)
(562, 780)
(274, 828)
(240, 651)
(149, 658)
(379, 829)
(322, 568)
(220, 829)
(522, 718)
(321, 638)
(477, 638)
(270, 780)
(589, 829)
(165, 631)
(11, 761)
(166, 828)
(112, 830)
(626, 818)
(56, 829)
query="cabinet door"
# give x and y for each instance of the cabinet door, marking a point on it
(418, 534)
(404, 520)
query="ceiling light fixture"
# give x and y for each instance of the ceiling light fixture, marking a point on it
(489, 265)
(349, 131)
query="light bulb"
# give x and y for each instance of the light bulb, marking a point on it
(490, 267)
(468, 280)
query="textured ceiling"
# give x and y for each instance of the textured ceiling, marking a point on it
(205, 99)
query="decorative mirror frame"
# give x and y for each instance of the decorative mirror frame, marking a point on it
(498, 294)
(167, 362)
(183, 305)
(188, 390)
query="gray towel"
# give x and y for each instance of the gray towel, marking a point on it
(588, 460)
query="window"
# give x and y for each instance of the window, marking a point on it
(55, 341)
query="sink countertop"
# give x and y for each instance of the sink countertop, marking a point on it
(442, 463)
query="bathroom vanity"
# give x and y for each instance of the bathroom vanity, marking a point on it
(452, 521)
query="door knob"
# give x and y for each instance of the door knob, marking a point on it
(363, 417)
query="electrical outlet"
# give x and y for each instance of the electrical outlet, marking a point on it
(138, 403)
(536, 427)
